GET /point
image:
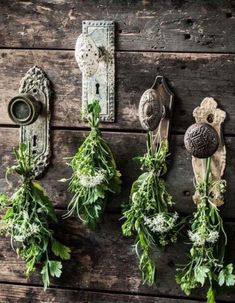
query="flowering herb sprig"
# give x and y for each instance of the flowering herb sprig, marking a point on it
(94, 173)
(208, 239)
(146, 214)
(26, 221)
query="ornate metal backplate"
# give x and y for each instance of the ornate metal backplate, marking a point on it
(95, 56)
(35, 83)
(155, 109)
(208, 112)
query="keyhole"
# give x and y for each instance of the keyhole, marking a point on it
(34, 141)
(97, 88)
(34, 144)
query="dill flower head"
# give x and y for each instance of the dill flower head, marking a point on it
(161, 223)
(92, 181)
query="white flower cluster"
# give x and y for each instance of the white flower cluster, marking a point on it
(92, 181)
(161, 223)
(213, 236)
(200, 239)
(20, 232)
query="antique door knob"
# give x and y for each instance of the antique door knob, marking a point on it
(151, 109)
(87, 55)
(24, 109)
(201, 140)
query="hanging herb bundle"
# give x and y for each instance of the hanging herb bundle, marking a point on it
(146, 214)
(94, 173)
(26, 221)
(208, 238)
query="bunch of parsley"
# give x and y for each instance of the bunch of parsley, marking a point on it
(208, 238)
(146, 215)
(94, 173)
(26, 221)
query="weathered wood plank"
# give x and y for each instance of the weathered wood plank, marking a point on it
(29, 294)
(125, 146)
(141, 25)
(192, 78)
(104, 260)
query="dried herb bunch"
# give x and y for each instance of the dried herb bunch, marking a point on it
(94, 173)
(146, 214)
(208, 239)
(26, 221)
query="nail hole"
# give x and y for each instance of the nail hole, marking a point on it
(34, 90)
(120, 31)
(212, 194)
(189, 22)
(97, 88)
(210, 118)
(186, 193)
(171, 263)
(182, 112)
(183, 66)
(187, 36)
(159, 80)
(229, 15)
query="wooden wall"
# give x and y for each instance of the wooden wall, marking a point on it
(190, 42)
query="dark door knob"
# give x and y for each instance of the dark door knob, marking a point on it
(24, 109)
(201, 140)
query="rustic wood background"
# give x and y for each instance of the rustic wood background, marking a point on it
(190, 42)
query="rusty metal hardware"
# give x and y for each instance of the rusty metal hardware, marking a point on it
(155, 109)
(94, 53)
(31, 110)
(204, 139)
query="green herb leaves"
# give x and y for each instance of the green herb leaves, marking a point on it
(27, 222)
(94, 173)
(208, 238)
(60, 250)
(226, 276)
(50, 268)
(146, 214)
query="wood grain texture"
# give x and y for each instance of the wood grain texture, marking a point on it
(29, 294)
(104, 260)
(125, 146)
(192, 77)
(163, 25)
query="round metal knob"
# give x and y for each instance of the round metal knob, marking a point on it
(201, 140)
(151, 109)
(24, 109)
